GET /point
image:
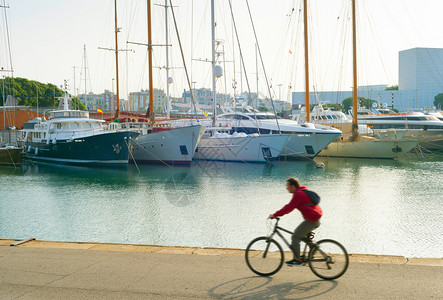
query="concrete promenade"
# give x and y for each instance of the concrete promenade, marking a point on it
(61, 270)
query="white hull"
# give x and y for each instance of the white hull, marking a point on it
(176, 145)
(307, 146)
(369, 149)
(306, 141)
(261, 148)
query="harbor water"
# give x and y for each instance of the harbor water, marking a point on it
(370, 206)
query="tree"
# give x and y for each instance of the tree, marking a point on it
(336, 107)
(27, 92)
(262, 109)
(438, 101)
(392, 88)
(77, 104)
(364, 102)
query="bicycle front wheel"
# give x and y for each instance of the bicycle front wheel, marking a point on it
(264, 256)
(328, 260)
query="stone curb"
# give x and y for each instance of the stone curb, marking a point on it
(360, 258)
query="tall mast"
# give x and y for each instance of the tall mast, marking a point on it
(74, 81)
(84, 60)
(305, 21)
(256, 72)
(214, 94)
(354, 89)
(167, 61)
(116, 62)
(151, 84)
(4, 107)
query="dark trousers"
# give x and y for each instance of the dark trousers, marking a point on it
(299, 234)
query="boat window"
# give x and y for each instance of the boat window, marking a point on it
(264, 117)
(59, 126)
(329, 117)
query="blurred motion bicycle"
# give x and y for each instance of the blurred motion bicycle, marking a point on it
(327, 258)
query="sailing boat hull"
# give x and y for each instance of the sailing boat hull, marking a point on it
(176, 145)
(369, 149)
(262, 148)
(306, 146)
(10, 156)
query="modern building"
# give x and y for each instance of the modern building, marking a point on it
(105, 101)
(139, 101)
(204, 96)
(420, 73)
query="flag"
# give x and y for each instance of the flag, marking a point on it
(206, 114)
(290, 52)
(99, 111)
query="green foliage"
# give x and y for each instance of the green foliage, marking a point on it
(392, 88)
(438, 101)
(77, 104)
(364, 102)
(262, 109)
(336, 107)
(26, 91)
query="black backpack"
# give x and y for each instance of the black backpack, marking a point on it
(315, 198)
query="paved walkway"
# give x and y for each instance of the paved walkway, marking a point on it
(48, 270)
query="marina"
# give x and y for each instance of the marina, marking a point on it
(221, 149)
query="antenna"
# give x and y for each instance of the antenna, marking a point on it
(84, 75)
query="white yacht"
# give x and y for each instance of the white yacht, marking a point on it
(241, 147)
(304, 141)
(222, 143)
(428, 129)
(384, 144)
(333, 118)
(307, 140)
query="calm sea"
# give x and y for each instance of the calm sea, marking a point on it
(371, 206)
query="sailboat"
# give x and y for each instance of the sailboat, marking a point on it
(219, 144)
(363, 146)
(10, 154)
(156, 144)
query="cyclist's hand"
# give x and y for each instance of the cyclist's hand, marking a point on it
(271, 216)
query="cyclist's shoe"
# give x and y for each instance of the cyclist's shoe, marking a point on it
(294, 262)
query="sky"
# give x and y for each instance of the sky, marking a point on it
(47, 40)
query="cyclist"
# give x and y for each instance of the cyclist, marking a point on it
(310, 212)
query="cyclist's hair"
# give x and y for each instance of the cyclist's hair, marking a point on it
(293, 181)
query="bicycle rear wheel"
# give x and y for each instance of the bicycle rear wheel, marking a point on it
(328, 260)
(264, 256)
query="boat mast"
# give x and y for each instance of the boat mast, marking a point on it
(4, 108)
(116, 62)
(168, 112)
(354, 89)
(305, 21)
(256, 71)
(214, 95)
(151, 84)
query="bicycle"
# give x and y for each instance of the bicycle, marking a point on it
(327, 259)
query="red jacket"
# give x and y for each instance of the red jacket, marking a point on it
(299, 200)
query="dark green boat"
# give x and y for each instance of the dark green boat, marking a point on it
(10, 156)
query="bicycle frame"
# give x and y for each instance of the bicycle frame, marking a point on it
(308, 243)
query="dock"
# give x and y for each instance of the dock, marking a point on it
(74, 270)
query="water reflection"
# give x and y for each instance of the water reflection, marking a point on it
(371, 206)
